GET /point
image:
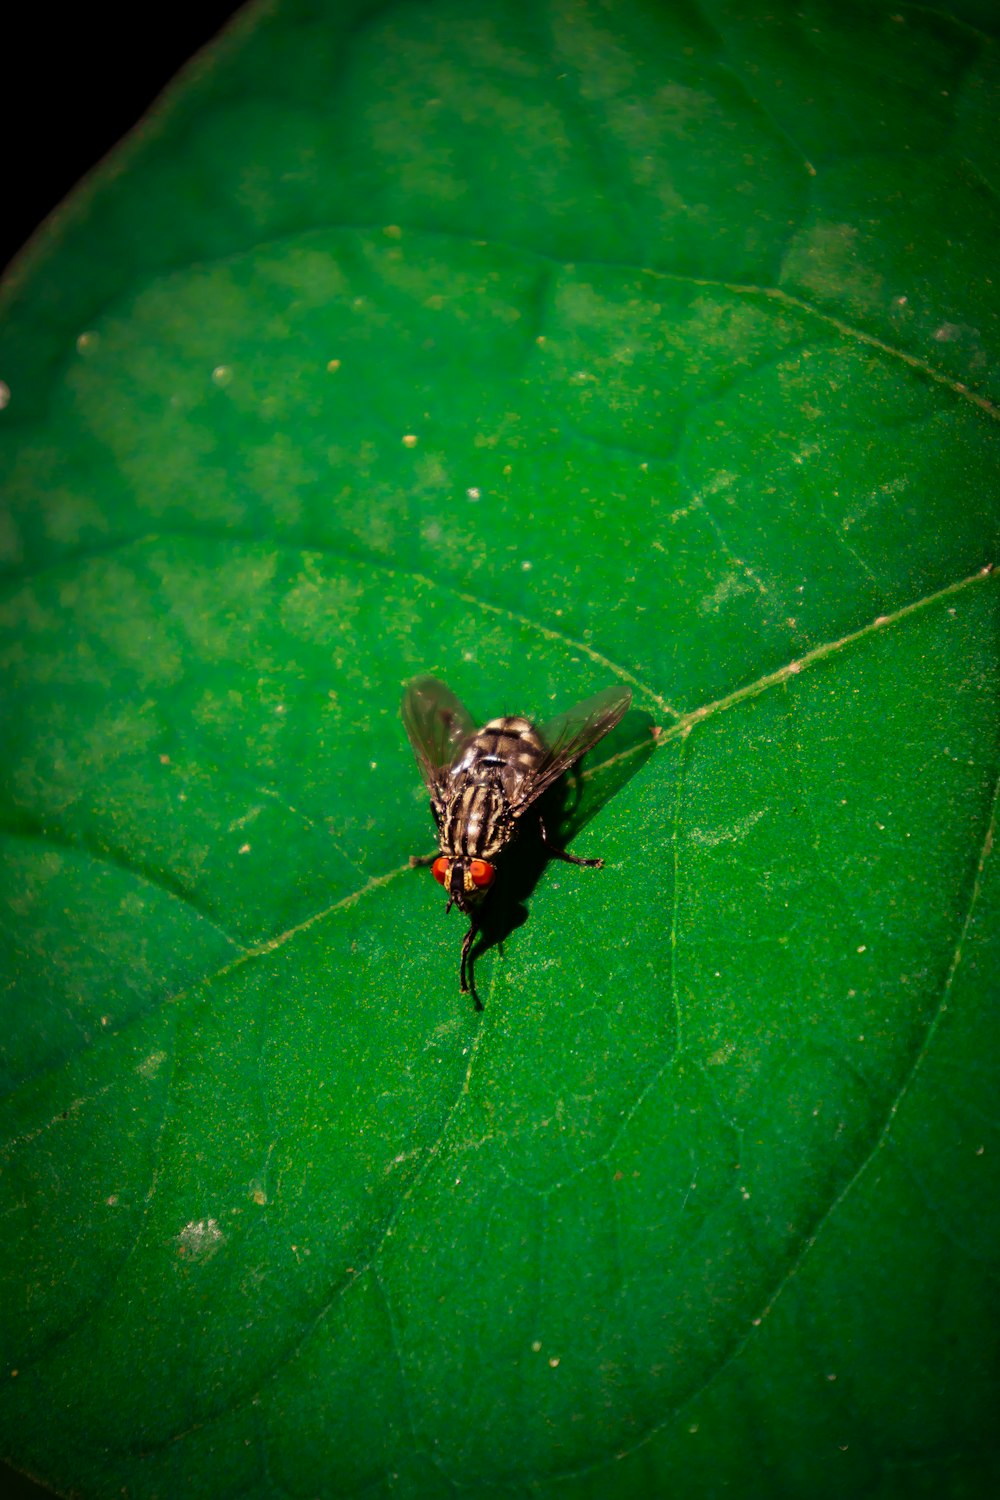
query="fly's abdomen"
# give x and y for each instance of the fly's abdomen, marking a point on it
(509, 742)
(507, 750)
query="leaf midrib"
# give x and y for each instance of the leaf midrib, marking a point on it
(680, 729)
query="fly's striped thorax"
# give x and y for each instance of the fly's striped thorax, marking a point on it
(476, 822)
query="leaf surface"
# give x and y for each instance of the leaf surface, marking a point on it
(541, 349)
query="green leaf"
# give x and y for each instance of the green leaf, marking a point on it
(541, 348)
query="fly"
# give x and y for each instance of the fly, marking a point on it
(483, 781)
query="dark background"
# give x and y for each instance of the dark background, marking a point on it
(74, 80)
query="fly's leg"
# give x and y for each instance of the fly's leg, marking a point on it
(469, 988)
(571, 859)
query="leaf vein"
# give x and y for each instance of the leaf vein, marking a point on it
(882, 1139)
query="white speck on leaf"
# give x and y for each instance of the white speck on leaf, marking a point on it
(200, 1239)
(709, 837)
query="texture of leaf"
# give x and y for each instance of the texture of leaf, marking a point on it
(541, 348)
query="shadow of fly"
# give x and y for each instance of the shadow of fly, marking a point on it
(482, 782)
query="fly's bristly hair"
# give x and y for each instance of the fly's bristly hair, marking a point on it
(482, 781)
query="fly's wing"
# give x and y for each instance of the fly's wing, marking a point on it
(437, 722)
(570, 735)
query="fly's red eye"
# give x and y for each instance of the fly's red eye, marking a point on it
(439, 869)
(481, 872)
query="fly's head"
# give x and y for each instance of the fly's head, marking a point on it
(466, 880)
